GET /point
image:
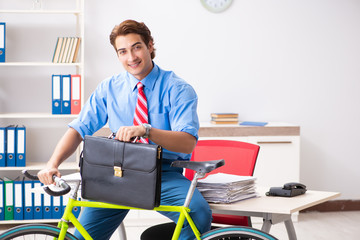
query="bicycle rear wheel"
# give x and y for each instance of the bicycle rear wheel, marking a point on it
(34, 231)
(234, 233)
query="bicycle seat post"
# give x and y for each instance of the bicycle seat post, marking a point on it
(192, 188)
(200, 168)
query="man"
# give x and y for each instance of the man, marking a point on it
(171, 121)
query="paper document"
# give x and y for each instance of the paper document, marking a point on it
(227, 188)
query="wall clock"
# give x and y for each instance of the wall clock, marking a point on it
(216, 6)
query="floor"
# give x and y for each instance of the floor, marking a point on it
(311, 225)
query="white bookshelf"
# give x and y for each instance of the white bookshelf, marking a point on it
(41, 127)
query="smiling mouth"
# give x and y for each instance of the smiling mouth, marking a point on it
(134, 65)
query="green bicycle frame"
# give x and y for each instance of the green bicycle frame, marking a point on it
(68, 216)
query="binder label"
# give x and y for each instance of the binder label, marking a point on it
(9, 194)
(21, 141)
(47, 200)
(2, 36)
(2, 41)
(66, 89)
(76, 88)
(2, 137)
(18, 198)
(11, 142)
(2, 199)
(56, 86)
(28, 197)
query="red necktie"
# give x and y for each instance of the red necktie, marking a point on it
(141, 111)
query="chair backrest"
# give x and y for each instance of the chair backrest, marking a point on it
(240, 159)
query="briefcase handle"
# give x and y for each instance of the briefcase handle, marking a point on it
(133, 139)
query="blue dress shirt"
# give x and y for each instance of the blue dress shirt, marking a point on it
(172, 105)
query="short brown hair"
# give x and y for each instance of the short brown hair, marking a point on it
(132, 26)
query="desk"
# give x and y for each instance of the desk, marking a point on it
(275, 209)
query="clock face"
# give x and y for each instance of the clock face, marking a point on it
(216, 5)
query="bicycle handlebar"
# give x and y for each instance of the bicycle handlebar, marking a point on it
(58, 181)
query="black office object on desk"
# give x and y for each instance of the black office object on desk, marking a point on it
(289, 190)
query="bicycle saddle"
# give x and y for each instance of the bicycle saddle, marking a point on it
(200, 167)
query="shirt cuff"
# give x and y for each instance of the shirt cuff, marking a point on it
(190, 130)
(80, 128)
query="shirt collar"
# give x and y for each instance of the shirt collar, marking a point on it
(148, 81)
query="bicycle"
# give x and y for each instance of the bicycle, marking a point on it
(61, 231)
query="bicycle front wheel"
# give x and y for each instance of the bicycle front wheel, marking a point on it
(234, 233)
(34, 231)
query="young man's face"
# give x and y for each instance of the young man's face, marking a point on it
(134, 55)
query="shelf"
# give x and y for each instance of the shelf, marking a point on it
(40, 64)
(36, 115)
(41, 165)
(29, 221)
(41, 11)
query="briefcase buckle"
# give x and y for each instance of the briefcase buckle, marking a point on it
(117, 171)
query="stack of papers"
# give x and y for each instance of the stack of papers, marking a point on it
(227, 188)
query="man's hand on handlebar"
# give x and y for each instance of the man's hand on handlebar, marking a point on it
(46, 175)
(57, 181)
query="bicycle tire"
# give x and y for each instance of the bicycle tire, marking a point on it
(233, 233)
(34, 231)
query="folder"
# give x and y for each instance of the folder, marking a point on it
(2, 199)
(66, 93)
(28, 200)
(75, 94)
(38, 202)
(3, 147)
(56, 207)
(9, 198)
(2, 41)
(62, 50)
(57, 50)
(18, 200)
(20, 159)
(11, 146)
(77, 48)
(65, 49)
(47, 213)
(68, 54)
(74, 49)
(56, 94)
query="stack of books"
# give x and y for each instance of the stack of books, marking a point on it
(224, 118)
(227, 188)
(66, 50)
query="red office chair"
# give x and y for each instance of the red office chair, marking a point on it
(240, 159)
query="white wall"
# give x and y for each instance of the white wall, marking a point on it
(289, 61)
(268, 60)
